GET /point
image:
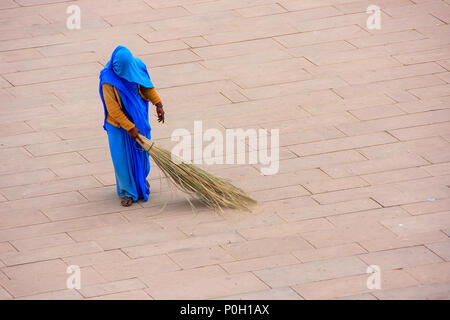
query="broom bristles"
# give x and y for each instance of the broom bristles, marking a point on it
(215, 192)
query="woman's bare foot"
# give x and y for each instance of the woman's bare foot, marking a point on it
(126, 201)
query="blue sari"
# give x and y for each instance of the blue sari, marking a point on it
(131, 162)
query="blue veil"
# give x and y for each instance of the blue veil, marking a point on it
(128, 67)
(126, 73)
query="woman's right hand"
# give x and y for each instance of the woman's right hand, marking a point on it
(134, 134)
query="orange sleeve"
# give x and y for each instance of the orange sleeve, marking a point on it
(149, 94)
(113, 107)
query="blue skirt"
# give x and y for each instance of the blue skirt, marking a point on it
(131, 164)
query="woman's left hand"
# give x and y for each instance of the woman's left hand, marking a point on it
(160, 112)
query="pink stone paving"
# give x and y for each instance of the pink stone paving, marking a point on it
(364, 168)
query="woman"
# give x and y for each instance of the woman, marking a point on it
(125, 89)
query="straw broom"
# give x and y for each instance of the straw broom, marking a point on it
(215, 192)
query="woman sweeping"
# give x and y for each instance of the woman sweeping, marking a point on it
(125, 89)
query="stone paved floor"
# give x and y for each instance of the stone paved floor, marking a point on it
(364, 159)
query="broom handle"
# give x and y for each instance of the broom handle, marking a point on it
(143, 145)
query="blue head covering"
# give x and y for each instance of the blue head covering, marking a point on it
(126, 73)
(128, 67)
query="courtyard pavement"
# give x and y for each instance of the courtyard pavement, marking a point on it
(364, 158)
